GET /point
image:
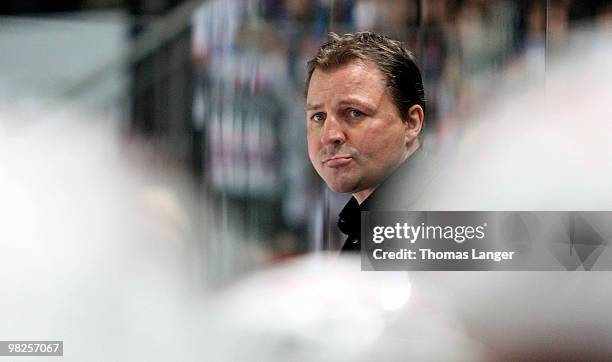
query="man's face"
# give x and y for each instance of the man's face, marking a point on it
(356, 136)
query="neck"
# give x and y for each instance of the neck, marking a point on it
(362, 195)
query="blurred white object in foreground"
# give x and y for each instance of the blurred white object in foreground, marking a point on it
(94, 247)
(323, 308)
(542, 146)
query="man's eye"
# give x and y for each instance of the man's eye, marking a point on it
(355, 113)
(318, 117)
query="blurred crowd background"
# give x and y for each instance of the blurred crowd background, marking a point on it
(214, 88)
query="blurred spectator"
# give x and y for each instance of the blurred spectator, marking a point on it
(557, 23)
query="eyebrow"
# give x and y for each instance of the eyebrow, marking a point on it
(310, 107)
(356, 101)
(346, 101)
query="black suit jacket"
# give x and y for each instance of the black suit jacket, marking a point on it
(399, 192)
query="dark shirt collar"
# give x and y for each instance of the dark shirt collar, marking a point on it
(349, 217)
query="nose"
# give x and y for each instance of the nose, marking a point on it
(332, 132)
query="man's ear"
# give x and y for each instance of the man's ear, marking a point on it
(413, 122)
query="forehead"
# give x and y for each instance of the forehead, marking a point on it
(354, 78)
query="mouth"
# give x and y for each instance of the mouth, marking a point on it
(337, 161)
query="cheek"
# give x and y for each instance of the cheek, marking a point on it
(313, 149)
(380, 146)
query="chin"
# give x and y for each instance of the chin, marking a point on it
(341, 187)
(341, 190)
(343, 182)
